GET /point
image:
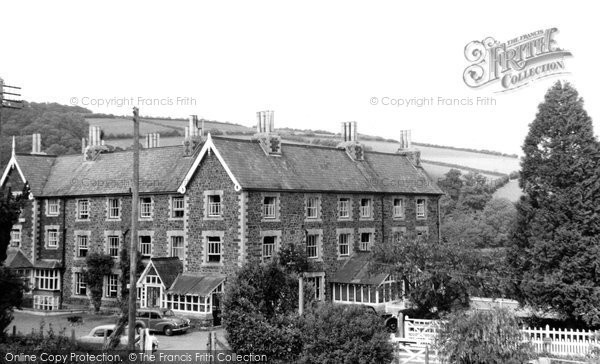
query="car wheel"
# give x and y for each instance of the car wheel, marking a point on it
(392, 325)
(168, 330)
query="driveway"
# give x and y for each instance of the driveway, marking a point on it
(25, 322)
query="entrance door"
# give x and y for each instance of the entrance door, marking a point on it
(152, 296)
(216, 308)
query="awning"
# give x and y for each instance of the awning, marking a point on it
(356, 270)
(200, 284)
(16, 259)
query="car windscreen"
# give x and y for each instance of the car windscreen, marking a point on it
(168, 313)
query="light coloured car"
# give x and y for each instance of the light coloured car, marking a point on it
(98, 334)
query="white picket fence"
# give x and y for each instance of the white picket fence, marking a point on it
(422, 333)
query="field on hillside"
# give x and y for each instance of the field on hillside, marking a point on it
(483, 161)
(124, 126)
(511, 191)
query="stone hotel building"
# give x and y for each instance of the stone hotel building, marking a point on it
(211, 204)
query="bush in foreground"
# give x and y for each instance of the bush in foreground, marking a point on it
(486, 337)
(344, 334)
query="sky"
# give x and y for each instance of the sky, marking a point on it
(315, 63)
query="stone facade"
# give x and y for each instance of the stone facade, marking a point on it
(240, 226)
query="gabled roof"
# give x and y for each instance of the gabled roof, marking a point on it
(168, 269)
(16, 259)
(356, 270)
(161, 170)
(167, 169)
(314, 168)
(201, 284)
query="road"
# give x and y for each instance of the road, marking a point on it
(26, 322)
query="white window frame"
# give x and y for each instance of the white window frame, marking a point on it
(111, 209)
(270, 212)
(175, 208)
(365, 246)
(46, 303)
(142, 251)
(79, 284)
(52, 236)
(172, 247)
(83, 214)
(347, 208)
(214, 208)
(214, 248)
(398, 212)
(421, 212)
(398, 233)
(111, 286)
(146, 208)
(347, 243)
(313, 207)
(16, 236)
(109, 247)
(79, 247)
(47, 279)
(310, 238)
(366, 212)
(318, 277)
(52, 207)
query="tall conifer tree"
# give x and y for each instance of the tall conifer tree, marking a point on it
(556, 244)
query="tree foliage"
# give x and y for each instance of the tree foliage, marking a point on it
(344, 334)
(439, 274)
(259, 312)
(482, 337)
(98, 265)
(556, 243)
(62, 128)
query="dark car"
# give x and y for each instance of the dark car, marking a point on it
(390, 321)
(161, 320)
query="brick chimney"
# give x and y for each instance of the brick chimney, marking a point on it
(152, 140)
(265, 133)
(405, 148)
(193, 135)
(36, 144)
(350, 143)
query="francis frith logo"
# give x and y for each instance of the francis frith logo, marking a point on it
(516, 62)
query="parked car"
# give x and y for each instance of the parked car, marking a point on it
(161, 320)
(97, 335)
(391, 322)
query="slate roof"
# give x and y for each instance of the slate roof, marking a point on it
(168, 269)
(162, 170)
(36, 169)
(316, 168)
(356, 271)
(16, 259)
(201, 284)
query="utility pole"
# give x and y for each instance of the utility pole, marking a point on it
(8, 103)
(134, 229)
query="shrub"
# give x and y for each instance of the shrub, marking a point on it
(98, 265)
(473, 337)
(344, 334)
